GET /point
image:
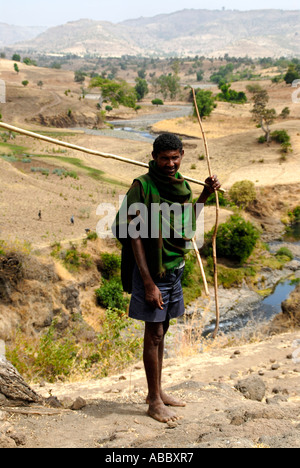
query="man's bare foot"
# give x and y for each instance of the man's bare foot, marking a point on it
(157, 410)
(169, 400)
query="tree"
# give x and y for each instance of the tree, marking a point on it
(141, 88)
(169, 84)
(25, 83)
(173, 85)
(28, 61)
(224, 74)
(292, 74)
(200, 75)
(205, 102)
(16, 68)
(230, 95)
(79, 76)
(40, 84)
(142, 73)
(115, 92)
(16, 58)
(264, 116)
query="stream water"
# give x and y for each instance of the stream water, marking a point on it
(263, 310)
(138, 129)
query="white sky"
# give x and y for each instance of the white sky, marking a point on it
(55, 12)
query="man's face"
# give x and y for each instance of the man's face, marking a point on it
(168, 162)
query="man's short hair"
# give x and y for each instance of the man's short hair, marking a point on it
(167, 142)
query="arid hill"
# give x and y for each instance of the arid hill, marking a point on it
(256, 33)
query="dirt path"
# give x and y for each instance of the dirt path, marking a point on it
(216, 416)
(54, 103)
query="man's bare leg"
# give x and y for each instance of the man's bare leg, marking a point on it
(167, 399)
(153, 359)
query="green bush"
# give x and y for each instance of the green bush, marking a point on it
(205, 103)
(187, 279)
(284, 252)
(236, 239)
(46, 358)
(282, 137)
(157, 102)
(72, 259)
(117, 345)
(110, 265)
(230, 95)
(110, 294)
(40, 169)
(242, 193)
(295, 215)
(222, 199)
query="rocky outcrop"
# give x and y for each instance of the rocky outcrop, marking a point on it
(68, 120)
(290, 316)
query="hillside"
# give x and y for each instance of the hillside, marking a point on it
(10, 34)
(189, 32)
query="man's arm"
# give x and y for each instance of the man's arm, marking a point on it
(152, 293)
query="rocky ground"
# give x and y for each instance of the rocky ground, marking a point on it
(240, 397)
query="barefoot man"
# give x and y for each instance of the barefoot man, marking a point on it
(153, 252)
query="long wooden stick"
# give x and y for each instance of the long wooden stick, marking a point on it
(37, 136)
(214, 237)
(109, 156)
(201, 267)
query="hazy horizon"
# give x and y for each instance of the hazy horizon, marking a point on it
(45, 14)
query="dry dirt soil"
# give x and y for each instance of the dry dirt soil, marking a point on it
(217, 415)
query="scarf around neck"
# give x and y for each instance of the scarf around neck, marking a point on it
(174, 189)
(163, 253)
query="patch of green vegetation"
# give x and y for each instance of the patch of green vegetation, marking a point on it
(110, 293)
(72, 258)
(52, 356)
(236, 240)
(12, 148)
(96, 174)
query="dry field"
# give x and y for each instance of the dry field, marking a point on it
(232, 136)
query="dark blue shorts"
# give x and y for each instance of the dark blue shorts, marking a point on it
(171, 290)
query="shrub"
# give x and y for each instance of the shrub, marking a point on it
(40, 169)
(92, 236)
(44, 357)
(242, 193)
(72, 259)
(110, 265)
(117, 345)
(236, 239)
(110, 294)
(188, 270)
(284, 252)
(295, 215)
(280, 136)
(222, 199)
(230, 95)
(157, 102)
